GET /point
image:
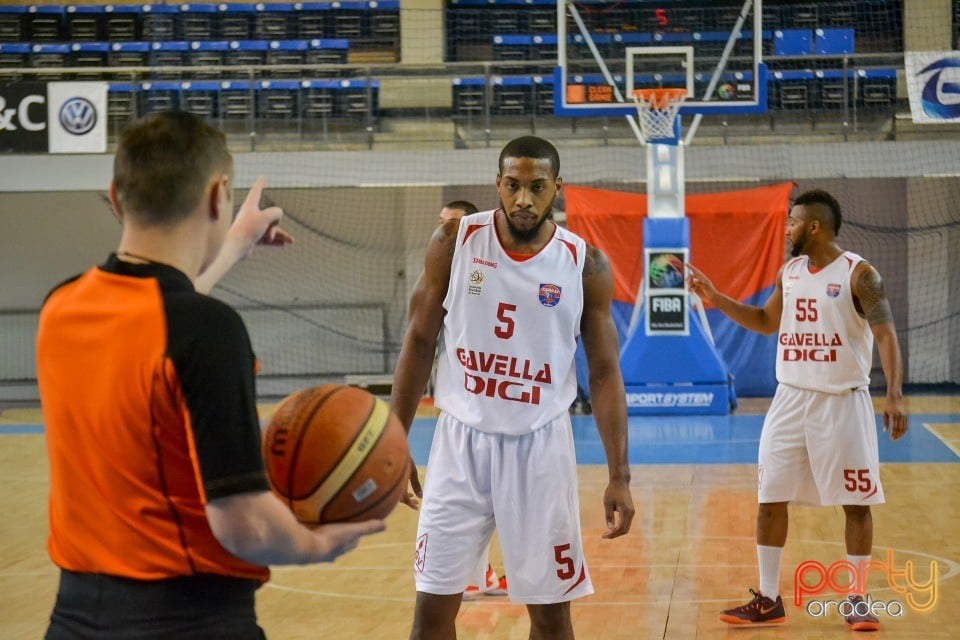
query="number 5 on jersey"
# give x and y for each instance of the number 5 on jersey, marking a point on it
(506, 325)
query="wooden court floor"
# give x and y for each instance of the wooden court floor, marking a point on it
(690, 554)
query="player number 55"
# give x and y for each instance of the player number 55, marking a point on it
(857, 480)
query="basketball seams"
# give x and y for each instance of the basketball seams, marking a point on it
(344, 469)
(295, 453)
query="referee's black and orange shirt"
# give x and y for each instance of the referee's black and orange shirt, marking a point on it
(148, 398)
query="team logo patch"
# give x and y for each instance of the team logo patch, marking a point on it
(420, 557)
(476, 278)
(549, 295)
(833, 290)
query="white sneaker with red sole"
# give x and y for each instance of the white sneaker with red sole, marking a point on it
(494, 586)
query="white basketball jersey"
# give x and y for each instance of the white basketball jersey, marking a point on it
(505, 363)
(824, 344)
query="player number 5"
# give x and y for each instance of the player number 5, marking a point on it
(504, 330)
(566, 570)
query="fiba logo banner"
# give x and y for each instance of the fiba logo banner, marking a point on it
(666, 296)
(77, 113)
(933, 82)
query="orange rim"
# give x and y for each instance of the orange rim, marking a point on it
(660, 98)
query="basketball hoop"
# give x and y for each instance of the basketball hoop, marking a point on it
(657, 110)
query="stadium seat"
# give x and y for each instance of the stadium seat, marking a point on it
(159, 96)
(512, 96)
(311, 21)
(88, 54)
(832, 89)
(84, 23)
(128, 54)
(833, 41)
(801, 16)
(50, 56)
(469, 96)
(200, 98)
(159, 22)
(235, 21)
(274, 21)
(326, 51)
(121, 23)
(197, 22)
(171, 54)
(318, 99)
(287, 52)
(246, 53)
(121, 102)
(357, 98)
(14, 55)
(278, 99)
(792, 42)
(207, 54)
(236, 100)
(44, 23)
(12, 24)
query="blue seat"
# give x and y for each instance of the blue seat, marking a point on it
(159, 96)
(246, 53)
(159, 22)
(128, 54)
(12, 28)
(833, 41)
(121, 102)
(44, 23)
(278, 99)
(198, 21)
(287, 52)
(14, 55)
(84, 23)
(275, 21)
(235, 21)
(50, 56)
(792, 42)
(200, 98)
(88, 54)
(327, 51)
(171, 54)
(236, 99)
(207, 54)
(122, 22)
(469, 96)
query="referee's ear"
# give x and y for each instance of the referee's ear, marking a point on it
(115, 203)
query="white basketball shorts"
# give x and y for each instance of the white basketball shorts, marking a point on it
(526, 487)
(819, 449)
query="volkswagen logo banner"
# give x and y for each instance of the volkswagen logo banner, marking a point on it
(933, 80)
(53, 117)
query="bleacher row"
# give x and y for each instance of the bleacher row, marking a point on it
(235, 99)
(370, 23)
(471, 24)
(781, 42)
(800, 89)
(172, 59)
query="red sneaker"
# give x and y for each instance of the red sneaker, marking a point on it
(860, 618)
(499, 589)
(491, 582)
(759, 611)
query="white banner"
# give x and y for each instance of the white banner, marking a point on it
(77, 117)
(933, 82)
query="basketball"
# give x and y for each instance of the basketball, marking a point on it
(335, 453)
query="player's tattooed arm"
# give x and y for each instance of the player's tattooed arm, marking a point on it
(873, 298)
(446, 234)
(595, 263)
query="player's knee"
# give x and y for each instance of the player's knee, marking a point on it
(857, 511)
(550, 621)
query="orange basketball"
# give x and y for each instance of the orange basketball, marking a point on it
(336, 454)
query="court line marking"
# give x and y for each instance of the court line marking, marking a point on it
(936, 434)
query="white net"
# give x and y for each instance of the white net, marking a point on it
(657, 111)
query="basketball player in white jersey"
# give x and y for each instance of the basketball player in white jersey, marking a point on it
(819, 441)
(511, 291)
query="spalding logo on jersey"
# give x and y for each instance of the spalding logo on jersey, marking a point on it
(833, 290)
(549, 295)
